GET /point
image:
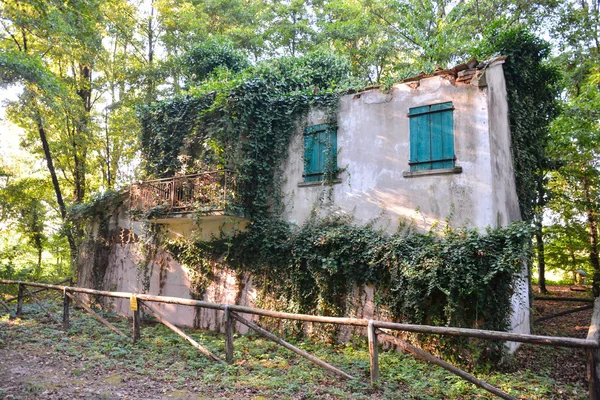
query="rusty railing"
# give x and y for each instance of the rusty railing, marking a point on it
(206, 191)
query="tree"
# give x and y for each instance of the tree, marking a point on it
(566, 246)
(532, 88)
(24, 203)
(201, 60)
(291, 27)
(576, 134)
(53, 50)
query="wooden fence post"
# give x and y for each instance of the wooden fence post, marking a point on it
(136, 323)
(593, 355)
(66, 303)
(20, 300)
(228, 336)
(373, 352)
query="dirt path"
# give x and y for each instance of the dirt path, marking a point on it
(564, 365)
(27, 373)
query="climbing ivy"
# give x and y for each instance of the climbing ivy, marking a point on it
(532, 86)
(166, 126)
(244, 121)
(459, 278)
(96, 215)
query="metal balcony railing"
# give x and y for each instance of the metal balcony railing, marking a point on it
(204, 192)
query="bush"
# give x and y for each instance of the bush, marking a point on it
(206, 57)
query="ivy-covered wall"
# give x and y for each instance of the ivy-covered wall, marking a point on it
(456, 277)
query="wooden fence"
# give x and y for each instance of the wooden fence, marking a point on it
(375, 330)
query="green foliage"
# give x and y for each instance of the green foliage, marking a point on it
(101, 205)
(16, 67)
(290, 27)
(576, 183)
(29, 242)
(463, 278)
(201, 60)
(565, 247)
(532, 87)
(319, 69)
(165, 127)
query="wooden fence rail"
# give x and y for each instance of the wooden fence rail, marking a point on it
(591, 343)
(570, 299)
(70, 280)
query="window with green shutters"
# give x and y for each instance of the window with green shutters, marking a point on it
(320, 153)
(431, 137)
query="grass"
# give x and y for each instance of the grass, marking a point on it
(261, 368)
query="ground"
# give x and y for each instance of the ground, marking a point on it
(565, 366)
(39, 361)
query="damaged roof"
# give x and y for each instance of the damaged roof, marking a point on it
(461, 73)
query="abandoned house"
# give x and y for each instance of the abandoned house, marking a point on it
(434, 148)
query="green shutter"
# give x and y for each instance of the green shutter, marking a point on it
(421, 142)
(447, 139)
(431, 137)
(333, 143)
(320, 152)
(310, 163)
(435, 131)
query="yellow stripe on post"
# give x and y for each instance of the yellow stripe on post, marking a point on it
(133, 304)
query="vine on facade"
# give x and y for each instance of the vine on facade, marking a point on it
(244, 122)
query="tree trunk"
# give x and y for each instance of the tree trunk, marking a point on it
(150, 72)
(593, 229)
(38, 268)
(59, 198)
(539, 238)
(80, 150)
(108, 174)
(540, 258)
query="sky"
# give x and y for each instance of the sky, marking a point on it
(10, 133)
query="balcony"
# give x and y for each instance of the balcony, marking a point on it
(209, 193)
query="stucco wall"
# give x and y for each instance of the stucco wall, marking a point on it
(138, 263)
(373, 149)
(373, 146)
(506, 203)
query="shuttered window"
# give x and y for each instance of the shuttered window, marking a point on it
(320, 153)
(431, 137)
